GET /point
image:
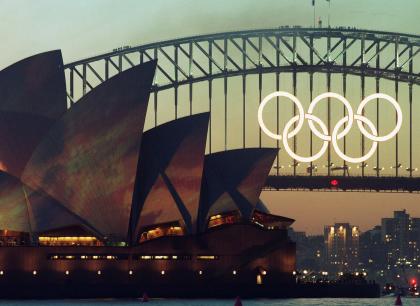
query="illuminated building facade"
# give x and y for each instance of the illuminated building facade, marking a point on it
(401, 236)
(92, 206)
(342, 246)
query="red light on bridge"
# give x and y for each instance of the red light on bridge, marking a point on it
(413, 282)
(334, 183)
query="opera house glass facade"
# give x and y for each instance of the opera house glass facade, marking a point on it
(92, 206)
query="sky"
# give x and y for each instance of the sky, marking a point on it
(83, 28)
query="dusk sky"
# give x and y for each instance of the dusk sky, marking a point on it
(85, 28)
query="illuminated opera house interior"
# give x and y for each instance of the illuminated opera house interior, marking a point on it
(85, 192)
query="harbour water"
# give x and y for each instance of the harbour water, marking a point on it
(260, 302)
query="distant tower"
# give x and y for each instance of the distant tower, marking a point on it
(402, 222)
(401, 236)
(342, 246)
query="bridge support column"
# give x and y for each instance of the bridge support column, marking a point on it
(410, 101)
(377, 82)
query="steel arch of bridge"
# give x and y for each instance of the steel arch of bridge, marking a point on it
(186, 61)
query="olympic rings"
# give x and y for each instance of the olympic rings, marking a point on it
(323, 134)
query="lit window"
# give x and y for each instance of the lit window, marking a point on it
(259, 279)
(234, 272)
(222, 219)
(34, 272)
(67, 272)
(162, 272)
(1, 272)
(160, 231)
(99, 272)
(215, 217)
(161, 257)
(200, 272)
(207, 257)
(88, 241)
(130, 272)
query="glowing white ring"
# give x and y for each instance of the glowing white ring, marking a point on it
(337, 148)
(397, 109)
(294, 100)
(293, 154)
(349, 114)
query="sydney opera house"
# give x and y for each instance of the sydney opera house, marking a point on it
(90, 205)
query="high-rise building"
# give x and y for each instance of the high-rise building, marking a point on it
(341, 246)
(401, 236)
(309, 251)
(372, 251)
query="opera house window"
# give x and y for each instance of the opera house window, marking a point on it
(87, 257)
(69, 241)
(227, 218)
(207, 257)
(69, 236)
(164, 257)
(270, 221)
(169, 229)
(12, 238)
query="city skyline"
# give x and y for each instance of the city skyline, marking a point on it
(387, 253)
(353, 207)
(366, 227)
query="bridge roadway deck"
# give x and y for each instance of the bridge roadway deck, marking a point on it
(343, 183)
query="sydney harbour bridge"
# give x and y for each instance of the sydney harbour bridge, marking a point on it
(229, 74)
